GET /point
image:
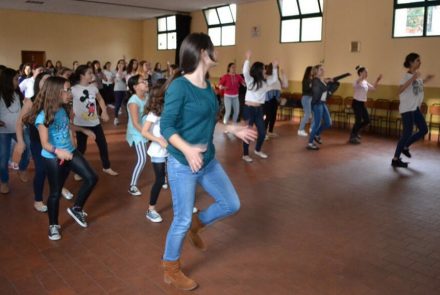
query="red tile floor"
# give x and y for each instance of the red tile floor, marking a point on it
(337, 221)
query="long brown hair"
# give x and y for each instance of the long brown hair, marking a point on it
(48, 100)
(156, 101)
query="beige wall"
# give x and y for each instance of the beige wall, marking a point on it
(67, 37)
(367, 21)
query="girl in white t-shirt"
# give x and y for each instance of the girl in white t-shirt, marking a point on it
(361, 88)
(85, 99)
(157, 150)
(411, 97)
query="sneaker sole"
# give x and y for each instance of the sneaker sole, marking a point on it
(134, 194)
(55, 238)
(76, 219)
(155, 221)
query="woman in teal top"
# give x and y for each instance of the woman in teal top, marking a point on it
(138, 88)
(188, 123)
(49, 113)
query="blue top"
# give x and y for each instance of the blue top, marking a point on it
(133, 135)
(59, 132)
(191, 112)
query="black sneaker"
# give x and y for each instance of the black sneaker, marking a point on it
(79, 216)
(318, 139)
(354, 140)
(312, 147)
(399, 163)
(406, 152)
(54, 232)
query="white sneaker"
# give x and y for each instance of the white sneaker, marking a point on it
(195, 210)
(266, 137)
(247, 159)
(165, 186)
(54, 232)
(302, 133)
(110, 171)
(134, 191)
(40, 207)
(77, 177)
(116, 122)
(67, 194)
(272, 134)
(261, 154)
(110, 106)
(153, 216)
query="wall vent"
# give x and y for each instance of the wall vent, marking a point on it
(355, 46)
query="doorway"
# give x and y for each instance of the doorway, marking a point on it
(33, 57)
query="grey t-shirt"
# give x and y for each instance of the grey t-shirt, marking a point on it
(9, 115)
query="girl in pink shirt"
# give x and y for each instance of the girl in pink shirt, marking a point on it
(230, 83)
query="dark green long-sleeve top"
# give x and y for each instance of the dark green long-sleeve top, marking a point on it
(190, 112)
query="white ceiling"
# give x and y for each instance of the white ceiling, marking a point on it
(128, 9)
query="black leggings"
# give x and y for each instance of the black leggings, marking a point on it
(57, 174)
(361, 116)
(159, 172)
(100, 140)
(270, 111)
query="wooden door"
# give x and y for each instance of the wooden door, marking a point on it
(33, 57)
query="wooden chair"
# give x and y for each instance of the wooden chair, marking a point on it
(380, 114)
(335, 105)
(434, 120)
(348, 110)
(394, 118)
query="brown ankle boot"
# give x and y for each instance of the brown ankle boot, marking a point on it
(173, 275)
(193, 234)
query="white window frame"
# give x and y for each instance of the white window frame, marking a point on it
(222, 24)
(299, 18)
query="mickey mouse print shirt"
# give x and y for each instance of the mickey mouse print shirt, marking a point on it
(85, 105)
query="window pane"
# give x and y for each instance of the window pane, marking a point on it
(290, 30)
(211, 17)
(288, 7)
(161, 41)
(433, 21)
(234, 11)
(409, 1)
(311, 29)
(162, 24)
(171, 41)
(215, 35)
(228, 35)
(308, 6)
(171, 23)
(409, 22)
(225, 15)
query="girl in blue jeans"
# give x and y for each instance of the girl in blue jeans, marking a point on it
(187, 123)
(321, 115)
(306, 101)
(411, 96)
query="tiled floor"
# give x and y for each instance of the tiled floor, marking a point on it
(337, 221)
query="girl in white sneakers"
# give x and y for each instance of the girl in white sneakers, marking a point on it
(157, 150)
(138, 87)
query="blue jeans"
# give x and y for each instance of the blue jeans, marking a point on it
(306, 102)
(321, 120)
(231, 102)
(183, 185)
(254, 115)
(5, 150)
(408, 138)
